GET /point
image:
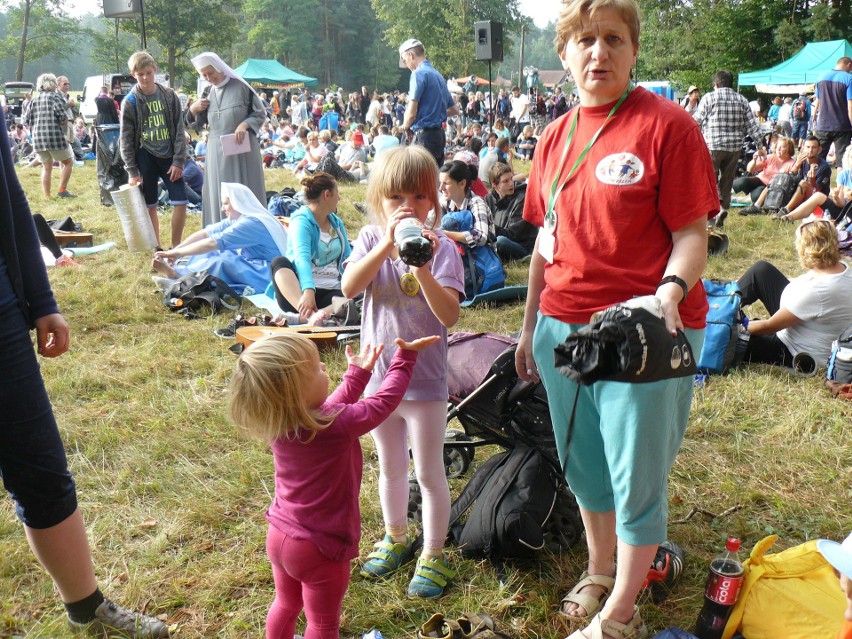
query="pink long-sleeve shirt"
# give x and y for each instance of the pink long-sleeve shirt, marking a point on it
(317, 483)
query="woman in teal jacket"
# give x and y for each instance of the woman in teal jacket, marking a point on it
(308, 278)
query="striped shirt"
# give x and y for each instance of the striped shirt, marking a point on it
(47, 120)
(726, 119)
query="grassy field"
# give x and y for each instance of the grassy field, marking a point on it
(174, 500)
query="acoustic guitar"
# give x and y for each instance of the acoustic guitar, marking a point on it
(323, 336)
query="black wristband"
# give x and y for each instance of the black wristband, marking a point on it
(674, 278)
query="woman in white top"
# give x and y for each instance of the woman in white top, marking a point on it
(809, 312)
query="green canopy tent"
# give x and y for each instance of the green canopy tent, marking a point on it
(271, 74)
(801, 72)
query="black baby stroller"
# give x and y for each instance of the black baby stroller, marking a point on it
(494, 406)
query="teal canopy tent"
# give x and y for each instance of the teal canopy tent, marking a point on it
(800, 72)
(272, 74)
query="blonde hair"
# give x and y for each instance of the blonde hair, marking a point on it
(46, 82)
(576, 13)
(405, 169)
(267, 391)
(140, 60)
(846, 160)
(816, 244)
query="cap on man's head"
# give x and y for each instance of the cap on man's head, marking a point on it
(691, 89)
(408, 45)
(358, 138)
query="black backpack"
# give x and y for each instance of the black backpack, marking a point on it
(513, 495)
(200, 292)
(781, 189)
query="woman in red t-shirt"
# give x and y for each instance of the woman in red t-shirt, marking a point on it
(622, 187)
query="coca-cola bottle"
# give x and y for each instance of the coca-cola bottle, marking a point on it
(414, 249)
(720, 595)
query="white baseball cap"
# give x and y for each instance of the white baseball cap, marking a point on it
(408, 45)
(838, 555)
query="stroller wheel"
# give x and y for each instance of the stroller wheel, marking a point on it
(456, 462)
(457, 459)
(415, 501)
(564, 527)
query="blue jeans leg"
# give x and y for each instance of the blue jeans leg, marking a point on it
(32, 459)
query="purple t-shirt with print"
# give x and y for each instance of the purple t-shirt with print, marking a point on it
(389, 313)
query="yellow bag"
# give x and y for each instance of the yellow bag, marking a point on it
(791, 595)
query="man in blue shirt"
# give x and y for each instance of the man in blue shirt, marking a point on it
(833, 105)
(429, 100)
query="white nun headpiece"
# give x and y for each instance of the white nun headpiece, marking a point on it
(210, 59)
(244, 200)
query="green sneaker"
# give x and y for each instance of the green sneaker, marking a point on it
(430, 578)
(386, 558)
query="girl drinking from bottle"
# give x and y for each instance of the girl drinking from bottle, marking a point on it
(408, 301)
(279, 394)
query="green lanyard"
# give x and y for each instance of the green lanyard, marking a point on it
(556, 187)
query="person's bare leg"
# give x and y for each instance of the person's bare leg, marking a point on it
(164, 268)
(633, 565)
(762, 197)
(798, 197)
(155, 222)
(64, 552)
(807, 207)
(178, 223)
(65, 173)
(46, 172)
(601, 541)
(288, 285)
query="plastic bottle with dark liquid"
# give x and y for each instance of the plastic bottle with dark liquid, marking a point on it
(720, 595)
(414, 249)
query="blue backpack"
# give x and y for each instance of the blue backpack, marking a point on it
(483, 270)
(284, 203)
(719, 353)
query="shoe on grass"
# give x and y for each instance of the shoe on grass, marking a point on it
(65, 194)
(386, 558)
(780, 213)
(430, 578)
(665, 571)
(111, 620)
(750, 210)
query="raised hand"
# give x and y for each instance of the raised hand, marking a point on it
(418, 344)
(366, 359)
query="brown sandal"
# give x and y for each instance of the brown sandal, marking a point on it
(587, 602)
(599, 628)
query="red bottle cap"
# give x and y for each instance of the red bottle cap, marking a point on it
(733, 544)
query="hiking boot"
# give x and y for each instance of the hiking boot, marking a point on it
(65, 194)
(719, 221)
(111, 620)
(780, 213)
(750, 210)
(386, 558)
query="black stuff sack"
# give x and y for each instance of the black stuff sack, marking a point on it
(626, 343)
(200, 293)
(510, 499)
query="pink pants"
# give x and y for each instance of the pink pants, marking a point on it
(304, 578)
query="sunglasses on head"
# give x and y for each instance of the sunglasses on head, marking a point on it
(816, 220)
